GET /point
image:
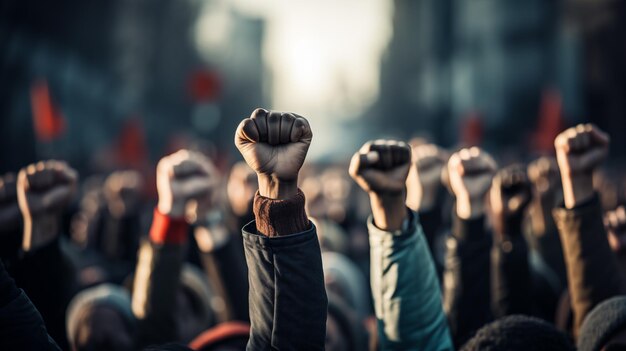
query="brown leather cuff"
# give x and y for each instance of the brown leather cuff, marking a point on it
(280, 217)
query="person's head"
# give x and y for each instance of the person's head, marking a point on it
(100, 318)
(604, 328)
(228, 336)
(519, 333)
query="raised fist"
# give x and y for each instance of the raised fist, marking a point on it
(543, 174)
(580, 151)
(510, 194)
(122, 191)
(10, 216)
(44, 190)
(615, 224)
(470, 172)
(274, 145)
(382, 166)
(183, 178)
(425, 174)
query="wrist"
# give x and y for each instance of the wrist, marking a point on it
(174, 209)
(429, 199)
(388, 211)
(467, 207)
(577, 189)
(276, 189)
(39, 231)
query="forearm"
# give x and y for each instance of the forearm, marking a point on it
(467, 284)
(157, 279)
(510, 277)
(287, 296)
(406, 291)
(592, 270)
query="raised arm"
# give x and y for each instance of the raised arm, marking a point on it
(592, 270)
(467, 271)
(182, 178)
(44, 271)
(510, 275)
(407, 298)
(424, 189)
(287, 297)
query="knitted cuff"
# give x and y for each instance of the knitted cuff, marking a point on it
(168, 230)
(280, 217)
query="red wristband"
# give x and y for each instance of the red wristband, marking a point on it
(168, 230)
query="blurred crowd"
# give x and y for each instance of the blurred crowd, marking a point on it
(407, 246)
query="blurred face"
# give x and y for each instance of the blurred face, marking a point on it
(103, 328)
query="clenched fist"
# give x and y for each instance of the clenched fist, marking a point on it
(424, 179)
(183, 178)
(44, 190)
(470, 172)
(580, 151)
(510, 194)
(274, 144)
(381, 168)
(122, 191)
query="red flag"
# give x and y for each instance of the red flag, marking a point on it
(48, 121)
(550, 122)
(131, 148)
(472, 130)
(204, 85)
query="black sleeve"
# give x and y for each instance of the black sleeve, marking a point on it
(467, 278)
(287, 297)
(226, 267)
(48, 277)
(511, 286)
(21, 325)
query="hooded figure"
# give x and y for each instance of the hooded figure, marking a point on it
(604, 327)
(519, 333)
(100, 318)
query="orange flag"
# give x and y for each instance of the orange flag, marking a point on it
(472, 130)
(48, 122)
(550, 121)
(131, 150)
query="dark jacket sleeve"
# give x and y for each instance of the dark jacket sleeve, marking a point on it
(467, 278)
(287, 297)
(510, 276)
(226, 269)
(21, 325)
(156, 281)
(48, 276)
(592, 270)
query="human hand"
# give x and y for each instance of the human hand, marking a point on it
(424, 180)
(470, 173)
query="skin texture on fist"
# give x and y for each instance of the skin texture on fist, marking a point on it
(44, 190)
(274, 145)
(470, 172)
(424, 180)
(580, 151)
(381, 168)
(183, 178)
(509, 196)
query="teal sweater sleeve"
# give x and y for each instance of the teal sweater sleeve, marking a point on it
(407, 297)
